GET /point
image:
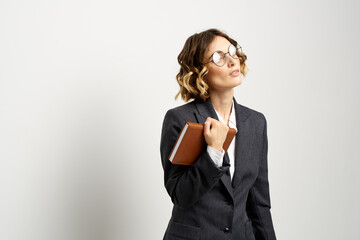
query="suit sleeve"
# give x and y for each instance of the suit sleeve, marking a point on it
(185, 184)
(258, 204)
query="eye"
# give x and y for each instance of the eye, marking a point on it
(216, 57)
(232, 50)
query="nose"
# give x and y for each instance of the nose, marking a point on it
(231, 61)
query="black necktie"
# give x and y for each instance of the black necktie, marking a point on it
(226, 162)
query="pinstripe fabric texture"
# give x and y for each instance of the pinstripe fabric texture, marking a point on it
(207, 204)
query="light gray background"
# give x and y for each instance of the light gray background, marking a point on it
(85, 85)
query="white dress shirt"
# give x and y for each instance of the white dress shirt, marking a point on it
(218, 156)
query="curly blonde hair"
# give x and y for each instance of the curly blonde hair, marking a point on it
(192, 71)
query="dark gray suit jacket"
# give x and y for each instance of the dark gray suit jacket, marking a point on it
(208, 205)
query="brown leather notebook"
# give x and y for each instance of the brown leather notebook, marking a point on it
(190, 143)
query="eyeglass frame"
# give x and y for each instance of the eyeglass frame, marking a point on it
(212, 55)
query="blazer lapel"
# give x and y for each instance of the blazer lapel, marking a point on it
(205, 110)
(244, 140)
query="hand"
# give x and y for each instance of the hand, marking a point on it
(215, 137)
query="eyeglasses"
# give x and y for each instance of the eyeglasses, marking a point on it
(218, 57)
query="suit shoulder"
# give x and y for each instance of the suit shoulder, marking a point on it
(252, 112)
(178, 115)
(254, 116)
(181, 110)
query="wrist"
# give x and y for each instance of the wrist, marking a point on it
(220, 149)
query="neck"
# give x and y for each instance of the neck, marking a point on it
(222, 102)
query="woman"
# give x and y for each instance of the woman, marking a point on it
(222, 195)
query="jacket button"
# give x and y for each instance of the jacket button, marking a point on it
(226, 230)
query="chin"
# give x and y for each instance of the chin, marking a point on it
(238, 80)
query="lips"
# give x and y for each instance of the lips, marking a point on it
(234, 73)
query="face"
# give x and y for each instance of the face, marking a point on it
(222, 78)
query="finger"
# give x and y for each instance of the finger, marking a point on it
(207, 126)
(214, 123)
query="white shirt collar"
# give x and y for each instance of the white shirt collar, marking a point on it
(232, 120)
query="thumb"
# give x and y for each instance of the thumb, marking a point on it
(207, 126)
